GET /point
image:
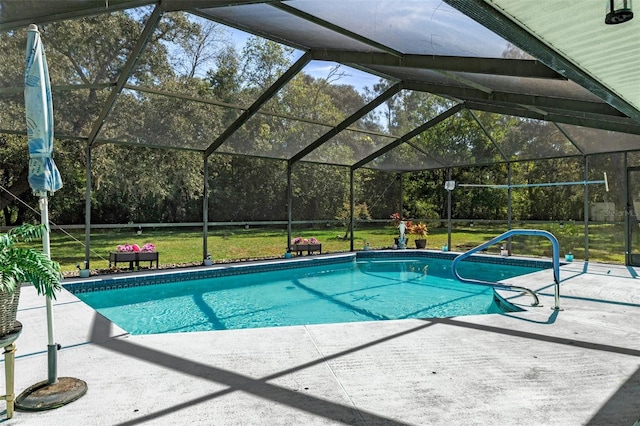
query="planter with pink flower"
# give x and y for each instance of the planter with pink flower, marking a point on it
(310, 245)
(149, 254)
(134, 254)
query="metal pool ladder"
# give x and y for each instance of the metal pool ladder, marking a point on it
(536, 232)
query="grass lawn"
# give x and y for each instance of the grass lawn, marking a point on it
(182, 246)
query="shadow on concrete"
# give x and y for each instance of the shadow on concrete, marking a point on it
(619, 404)
(552, 318)
(621, 407)
(587, 299)
(238, 382)
(625, 400)
(541, 337)
(603, 269)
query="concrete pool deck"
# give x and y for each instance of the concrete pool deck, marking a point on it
(577, 366)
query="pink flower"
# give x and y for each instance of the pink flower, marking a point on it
(300, 240)
(148, 248)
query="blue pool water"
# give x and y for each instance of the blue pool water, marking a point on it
(363, 290)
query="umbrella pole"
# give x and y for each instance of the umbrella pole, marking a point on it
(50, 393)
(54, 392)
(52, 347)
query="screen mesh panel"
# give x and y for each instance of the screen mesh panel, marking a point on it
(348, 147)
(404, 26)
(165, 121)
(75, 111)
(458, 140)
(12, 112)
(13, 62)
(611, 206)
(524, 138)
(247, 188)
(263, 18)
(323, 99)
(510, 85)
(308, 199)
(404, 158)
(84, 54)
(593, 141)
(273, 137)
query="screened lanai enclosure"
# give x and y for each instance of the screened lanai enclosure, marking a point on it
(209, 112)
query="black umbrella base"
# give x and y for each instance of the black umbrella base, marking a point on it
(44, 396)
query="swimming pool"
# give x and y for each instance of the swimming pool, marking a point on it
(368, 289)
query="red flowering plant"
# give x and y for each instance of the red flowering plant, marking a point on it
(395, 219)
(128, 247)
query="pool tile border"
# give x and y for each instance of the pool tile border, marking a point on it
(482, 258)
(111, 282)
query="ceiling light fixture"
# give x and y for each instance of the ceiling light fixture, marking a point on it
(618, 11)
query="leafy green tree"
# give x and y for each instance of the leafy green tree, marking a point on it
(224, 78)
(13, 175)
(319, 191)
(381, 191)
(360, 212)
(264, 61)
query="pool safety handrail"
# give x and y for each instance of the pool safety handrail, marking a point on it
(535, 232)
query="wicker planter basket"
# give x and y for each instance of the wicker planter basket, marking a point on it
(8, 310)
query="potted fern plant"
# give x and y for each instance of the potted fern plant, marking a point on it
(420, 231)
(19, 264)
